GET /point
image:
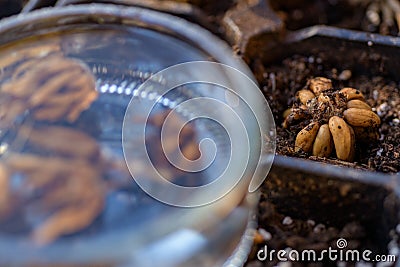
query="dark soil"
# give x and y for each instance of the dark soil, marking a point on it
(280, 83)
(298, 234)
(304, 211)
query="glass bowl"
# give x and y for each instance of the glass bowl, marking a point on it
(120, 48)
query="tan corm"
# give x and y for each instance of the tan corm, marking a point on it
(60, 171)
(50, 86)
(337, 118)
(64, 184)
